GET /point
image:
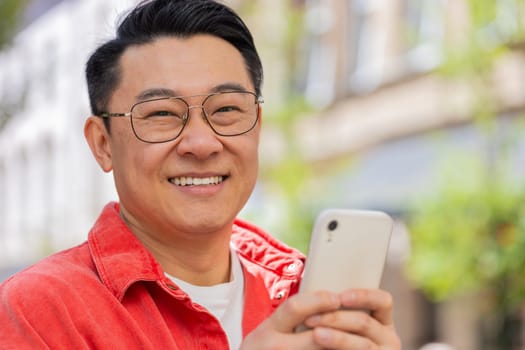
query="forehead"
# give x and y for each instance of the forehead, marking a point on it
(192, 65)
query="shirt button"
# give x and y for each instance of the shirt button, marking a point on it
(280, 294)
(292, 267)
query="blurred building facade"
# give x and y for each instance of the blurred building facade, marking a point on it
(367, 65)
(374, 66)
(372, 69)
(51, 189)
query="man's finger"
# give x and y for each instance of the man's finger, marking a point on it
(297, 308)
(377, 301)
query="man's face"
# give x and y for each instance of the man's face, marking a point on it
(145, 174)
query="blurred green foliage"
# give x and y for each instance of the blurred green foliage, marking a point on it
(287, 179)
(291, 177)
(11, 11)
(468, 237)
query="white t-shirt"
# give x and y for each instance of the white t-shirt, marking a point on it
(225, 301)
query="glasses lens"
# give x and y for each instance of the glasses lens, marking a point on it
(158, 120)
(231, 113)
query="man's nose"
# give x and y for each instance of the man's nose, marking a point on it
(198, 138)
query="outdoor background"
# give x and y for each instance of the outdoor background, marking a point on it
(413, 107)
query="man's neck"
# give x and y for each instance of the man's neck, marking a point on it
(201, 260)
(205, 264)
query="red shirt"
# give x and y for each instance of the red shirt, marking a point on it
(110, 293)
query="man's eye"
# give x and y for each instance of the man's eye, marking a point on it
(162, 114)
(227, 109)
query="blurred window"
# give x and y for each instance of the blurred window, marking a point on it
(322, 55)
(366, 56)
(506, 23)
(425, 30)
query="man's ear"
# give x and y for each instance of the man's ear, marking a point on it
(98, 139)
(260, 115)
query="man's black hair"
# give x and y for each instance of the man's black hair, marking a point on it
(152, 19)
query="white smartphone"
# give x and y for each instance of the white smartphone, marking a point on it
(348, 249)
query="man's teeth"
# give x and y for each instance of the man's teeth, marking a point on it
(197, 181)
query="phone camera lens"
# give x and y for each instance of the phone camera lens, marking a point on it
(332, 225)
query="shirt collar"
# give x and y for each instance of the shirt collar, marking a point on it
(120, 258)
(257, 246)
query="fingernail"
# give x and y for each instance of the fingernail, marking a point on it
(324, 334)
(349, 298)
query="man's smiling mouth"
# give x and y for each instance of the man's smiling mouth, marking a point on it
(196, 181)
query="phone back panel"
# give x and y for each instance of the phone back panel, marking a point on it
(351, 255)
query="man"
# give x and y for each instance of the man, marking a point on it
(177, 114)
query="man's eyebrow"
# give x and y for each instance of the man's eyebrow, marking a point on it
(228, 87)
(163, 92)
(155, 93)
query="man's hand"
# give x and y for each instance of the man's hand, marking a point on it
(334, 320)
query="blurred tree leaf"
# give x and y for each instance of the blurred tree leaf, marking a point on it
(464, 217)
(11, 11)
(287, 179)
(470, 235)
(291, 177)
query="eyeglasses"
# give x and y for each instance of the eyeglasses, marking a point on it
(158, 120)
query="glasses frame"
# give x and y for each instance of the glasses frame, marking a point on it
(258, 101)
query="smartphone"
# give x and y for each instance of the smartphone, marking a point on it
(347, 249)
